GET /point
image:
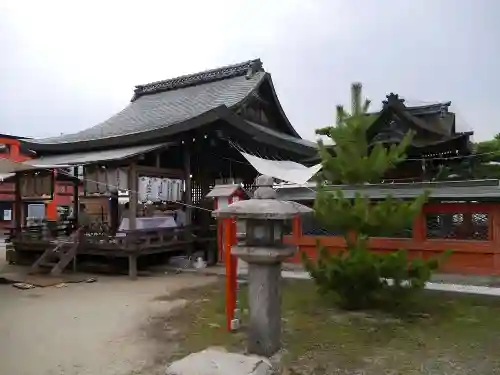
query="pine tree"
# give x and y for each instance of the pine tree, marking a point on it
(357, 275)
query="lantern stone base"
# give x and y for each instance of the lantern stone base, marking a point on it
(264, 293)
(263, 255)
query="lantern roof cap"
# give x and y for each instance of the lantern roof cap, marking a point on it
(262, 209)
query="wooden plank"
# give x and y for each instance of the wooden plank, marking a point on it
(132, 266)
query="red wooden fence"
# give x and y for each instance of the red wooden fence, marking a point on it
(474, 241)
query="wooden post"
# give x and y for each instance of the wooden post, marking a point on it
(419, 227)
(132, 266)
(51, 206)
(18, 202)
(132, 193)
(76, 206)
(132, 215)
(234, 265)
(157, 160)
(188, 198)
(76, 194)
(230, 273)
(296, 229)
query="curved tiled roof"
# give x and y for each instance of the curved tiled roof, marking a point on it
(162, 109)
(166, 108)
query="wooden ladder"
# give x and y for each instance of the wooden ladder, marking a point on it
(58, 257)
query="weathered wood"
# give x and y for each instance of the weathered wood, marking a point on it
(157, 160)
(188, 198)
(17, 205)
(133, 186)
(66, 258)
(132, 266)
(76, 188)
(136, 243)
(64, 251)
(144, 170)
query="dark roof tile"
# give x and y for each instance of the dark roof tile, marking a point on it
(247, 68)
(162, 109)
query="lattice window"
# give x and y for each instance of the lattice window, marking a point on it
(311, 227)
(196, 192)
(458, 226)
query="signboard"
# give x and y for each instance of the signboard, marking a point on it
(36, 185)
(104, 180)
(7, 215)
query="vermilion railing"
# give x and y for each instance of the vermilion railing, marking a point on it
(470, 230)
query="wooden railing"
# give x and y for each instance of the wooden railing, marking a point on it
(470, 230)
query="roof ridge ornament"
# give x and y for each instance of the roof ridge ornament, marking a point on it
(443, 111)
(393, 99)
(247, 68)
(255, 66)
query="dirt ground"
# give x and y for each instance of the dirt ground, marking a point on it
(79, 329)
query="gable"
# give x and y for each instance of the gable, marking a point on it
(263, 107)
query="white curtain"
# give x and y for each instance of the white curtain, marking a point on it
(285, 170)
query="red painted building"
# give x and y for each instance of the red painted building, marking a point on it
(11, 147)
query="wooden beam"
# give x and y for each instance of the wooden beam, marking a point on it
(132, 266)
(143, 170)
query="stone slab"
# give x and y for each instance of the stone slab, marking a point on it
(213, 361)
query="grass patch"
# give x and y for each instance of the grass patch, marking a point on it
(450, 334)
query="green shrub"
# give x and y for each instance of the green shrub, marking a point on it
(361, 279)
(358, 277)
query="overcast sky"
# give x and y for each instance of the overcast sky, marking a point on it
(65, 67)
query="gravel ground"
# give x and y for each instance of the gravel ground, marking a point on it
(83, 328)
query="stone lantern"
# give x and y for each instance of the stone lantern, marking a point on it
(264, 251)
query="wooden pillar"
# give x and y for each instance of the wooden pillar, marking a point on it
(420, 227)
(132, 194)
(296, 229)
(494, 236)
(132, 266)
(51, 213)
(231, 272)
(18, 203)
(76, 194)
(133, 184)
(188, 198)
(157, 160)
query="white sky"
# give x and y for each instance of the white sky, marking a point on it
(65, 67)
